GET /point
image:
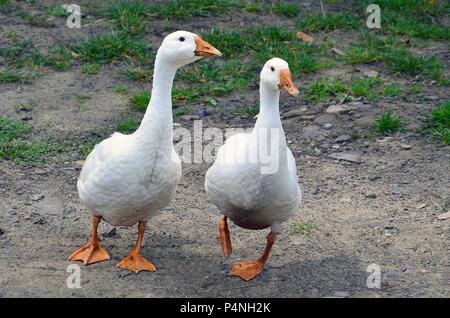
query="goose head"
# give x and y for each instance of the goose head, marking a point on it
(276, 76)
(182, 47)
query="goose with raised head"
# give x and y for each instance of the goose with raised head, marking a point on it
(253, 180)
(128, 179)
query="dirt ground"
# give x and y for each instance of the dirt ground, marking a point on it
(380, 210)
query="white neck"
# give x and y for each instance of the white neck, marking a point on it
(269, 108)
(157, 121)
(269, 120)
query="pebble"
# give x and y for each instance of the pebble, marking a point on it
(110, 233)
(405, 146)
(391, 274)
(202, 112)
(313, 132)
(347, 156)
(343, 138)
(325, 118)
(336, 109)
(397, 191)
(327, 126)
(37, 197)
(444, 216)
(371, 195)
(305, 4)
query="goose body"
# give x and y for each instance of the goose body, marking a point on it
(254, 179)
(128, 179)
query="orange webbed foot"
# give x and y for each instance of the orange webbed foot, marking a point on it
(91, 253)
(135, 263)
(225, 240)
(247, 270)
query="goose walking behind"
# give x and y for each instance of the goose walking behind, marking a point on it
(254, 178)
(128, 179)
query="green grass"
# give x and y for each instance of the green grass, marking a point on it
(388, 124)
(438, 123)
(139, 101)
(129, 16)
(107, 47)
(16, 144)
(395, 54)
(15, 76)
(252, 111)
(128, 125)
(90, 68)
(305, 229)
(262, 43)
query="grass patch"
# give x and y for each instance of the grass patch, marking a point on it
(16, 144)
(438, 123)
(107, 47)
(139, 101)
(14, 76)
(90, 68)
(305, 229)
(129, 125)
(129, 16)
(252, 111)
(388, 124)
(395, 53)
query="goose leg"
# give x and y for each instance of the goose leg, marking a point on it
(92, 252)
(225, 240)
(135, 262)
(248, 270)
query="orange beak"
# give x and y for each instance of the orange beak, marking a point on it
(204, 48)
(286, 83)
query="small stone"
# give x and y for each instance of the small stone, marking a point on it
(347, 156)
(37, 197)
(305, 4)
(371, 195)
(313, 132)
(2, 232)
(325, 118)
(39, 171)
(202, 112)
(110, 233)
(391, 274)
(345, 199)
(432, 97)
(343, 138)
(371, 74)
(327, 126)
(421, 206)
(444, 216)
(295, 112)
(405, 146)
(397, 191)
(336, 109)
(365, 121)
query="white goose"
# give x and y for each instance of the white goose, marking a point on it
(128, 179)
(254, 178)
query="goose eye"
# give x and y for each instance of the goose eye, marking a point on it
(272, 68)
(181, 39)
